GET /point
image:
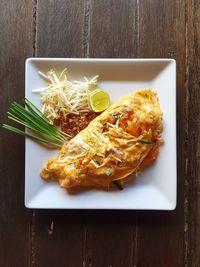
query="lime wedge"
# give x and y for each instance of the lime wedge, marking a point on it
(99, 100)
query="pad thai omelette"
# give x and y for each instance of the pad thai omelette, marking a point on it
(116, 144)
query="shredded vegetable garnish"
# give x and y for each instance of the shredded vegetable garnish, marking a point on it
(142, 141)
(63, 96)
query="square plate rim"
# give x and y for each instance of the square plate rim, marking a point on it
(116, 60)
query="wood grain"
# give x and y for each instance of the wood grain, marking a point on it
(193, 134)
(58, 236)
(106, 28)
(15, 47)
(59, 28)
(113, 28)
(161, 34)
(110, 239)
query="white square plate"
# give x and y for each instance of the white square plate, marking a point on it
(154, 188)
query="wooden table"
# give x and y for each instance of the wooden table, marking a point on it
(101, 28)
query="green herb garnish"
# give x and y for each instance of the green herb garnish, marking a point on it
(145, 141)
(117, 185)
(32, 118)
(116, 116)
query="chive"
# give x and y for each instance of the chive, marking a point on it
(116, 116)
(117, 185)
(17, 131)
(145, 141)
(35, 109)
(28, 119)
(32, 118)
(42, 131)
(31, 121)
(31, 106)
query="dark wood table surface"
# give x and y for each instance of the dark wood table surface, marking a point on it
(105, 29)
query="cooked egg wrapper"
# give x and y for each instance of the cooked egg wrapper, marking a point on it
(117, 144)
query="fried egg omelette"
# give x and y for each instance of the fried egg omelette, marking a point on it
(116, 144)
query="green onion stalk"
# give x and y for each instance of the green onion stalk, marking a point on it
(33, 119)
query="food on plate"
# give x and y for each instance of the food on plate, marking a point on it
(62, 98)
(99, 100)
(116, 144)
(74, 123)
(66, 105)
(31, 117)
(62, 95)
